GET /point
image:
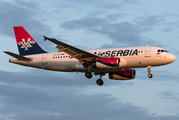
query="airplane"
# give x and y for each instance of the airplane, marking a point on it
(119, 63)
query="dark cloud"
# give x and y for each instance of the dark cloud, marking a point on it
(149, 22)
(26, 14)
(122, 33)
(20, 13)
(23, 98)
(26, 100)
(45, 78)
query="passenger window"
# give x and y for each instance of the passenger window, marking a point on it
(63, 56)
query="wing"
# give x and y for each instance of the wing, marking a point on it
(81, 55)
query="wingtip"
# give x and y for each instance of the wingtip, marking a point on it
(45, 38)
(5, 51)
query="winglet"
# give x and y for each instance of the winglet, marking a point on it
(45, 38)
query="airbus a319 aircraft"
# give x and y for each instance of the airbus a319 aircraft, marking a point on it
(117, 62)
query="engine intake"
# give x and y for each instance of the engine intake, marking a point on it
(126, 74)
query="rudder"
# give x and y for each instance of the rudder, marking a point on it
(26, 44)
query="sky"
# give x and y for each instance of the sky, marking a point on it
(29, 93)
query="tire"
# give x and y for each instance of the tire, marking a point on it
(150, 75)
(99, 82)
(88, 75)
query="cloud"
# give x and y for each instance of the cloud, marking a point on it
(121, 33)
(170, 95)
(170, 26)
(158, 75)
(20, 13)
(38, 95)
(149, 21)
(44, 78)
(117, 4)
(86, 22)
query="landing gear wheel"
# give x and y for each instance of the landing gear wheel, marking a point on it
(150, 75)
(88, 75)
(99, 82)
(149, 70)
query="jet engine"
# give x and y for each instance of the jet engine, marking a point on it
(126, 74)
(113, 62)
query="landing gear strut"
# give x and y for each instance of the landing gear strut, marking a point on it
(100, 81)
(149, 70)
(88, 75)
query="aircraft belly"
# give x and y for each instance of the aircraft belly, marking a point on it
(61, 65)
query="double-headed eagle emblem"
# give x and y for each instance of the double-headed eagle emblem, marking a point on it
(26, 45)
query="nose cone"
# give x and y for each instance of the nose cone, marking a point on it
(172, 58)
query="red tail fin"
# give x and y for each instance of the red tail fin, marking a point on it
(21, 34)
(26, 44)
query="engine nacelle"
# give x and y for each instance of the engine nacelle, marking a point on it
(126, 74)
(113, 62)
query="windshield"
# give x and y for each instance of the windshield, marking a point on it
(162, 51)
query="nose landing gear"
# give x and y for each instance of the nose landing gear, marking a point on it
(149, 70)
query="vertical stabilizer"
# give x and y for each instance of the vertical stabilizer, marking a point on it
(26, 44)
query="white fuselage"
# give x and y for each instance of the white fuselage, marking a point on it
(136, 57)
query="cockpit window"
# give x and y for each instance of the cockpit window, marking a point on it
(166, 51)
(162, 51)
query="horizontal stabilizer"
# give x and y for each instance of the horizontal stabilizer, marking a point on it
(19, 57)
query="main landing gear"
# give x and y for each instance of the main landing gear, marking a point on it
(99, 81)
(88, 75)
(149, 70)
